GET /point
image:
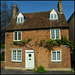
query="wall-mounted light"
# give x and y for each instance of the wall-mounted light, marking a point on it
(7, 34)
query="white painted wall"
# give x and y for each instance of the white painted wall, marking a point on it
(20, 15)
(53, 12)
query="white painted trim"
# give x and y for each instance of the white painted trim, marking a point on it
(17, 35)
(53, 12)
(56, 56)
(16, 55)
(26, 51)
(20, 19)
(55, 34)
(17, 49)
(20, 15)
(53, 17)
(29, 51)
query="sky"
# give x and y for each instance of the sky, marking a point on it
(40, 6)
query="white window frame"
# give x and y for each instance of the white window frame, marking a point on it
(20, 19)
(17, 35)
(56, 56)
(54, 17)
(16, 55)
(55, 34)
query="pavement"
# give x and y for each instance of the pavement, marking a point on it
(2, 50)
(4, 71)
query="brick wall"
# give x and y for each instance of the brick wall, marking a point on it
(2, 63)
(40, 52)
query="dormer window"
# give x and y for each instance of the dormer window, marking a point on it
(53, 15)
(20, 18)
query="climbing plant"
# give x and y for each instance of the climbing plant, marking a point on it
(49, 44)
(21, 43)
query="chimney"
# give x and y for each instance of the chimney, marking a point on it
(15, 10)
(60, 9)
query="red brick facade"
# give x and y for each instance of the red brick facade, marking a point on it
(42, 54)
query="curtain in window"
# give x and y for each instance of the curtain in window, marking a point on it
(58, 55)
(21, 19)
(14, 55)
(51, 16)
(54, 16)
(53, 55)
(52, 34)
(15, 35)
(18, 55)
(57, 33)
(19, 35)
(18, 19)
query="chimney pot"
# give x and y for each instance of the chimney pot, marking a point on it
(15, 5)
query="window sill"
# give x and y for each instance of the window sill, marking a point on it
(56, 39)
(57, 61)
(17, 40)
(16, 61)
(64, 46)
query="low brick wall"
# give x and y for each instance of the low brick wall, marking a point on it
(2, 63)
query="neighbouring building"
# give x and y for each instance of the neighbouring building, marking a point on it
(72, 35)
(36, 26)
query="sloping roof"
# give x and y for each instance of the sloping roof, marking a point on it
(37, 20)
(71, 16)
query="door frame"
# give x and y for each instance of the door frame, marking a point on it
(25, 57)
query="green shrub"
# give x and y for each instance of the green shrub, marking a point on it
(21, 43)
(58, 42)
(15, 42)
(50, 43)
(2, 45)
(2, 57)
(42, 41)
(28, 40)
(64, 40)
(54, 43)
(41, 69)
(34, 70)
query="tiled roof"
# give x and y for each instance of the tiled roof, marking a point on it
(37, 20)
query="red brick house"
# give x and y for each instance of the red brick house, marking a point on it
(40, 25)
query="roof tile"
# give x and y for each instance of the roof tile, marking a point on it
(37, 20)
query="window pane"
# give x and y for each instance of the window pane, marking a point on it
(57, 33)
(54, 16)
(53, 55)
(21, 19)
(29, 55)
(15, 36)
(51, 16)
(52, 34)
(19, 55)
(58, 55)
(14, 55)
(19, 35)
(18, 19)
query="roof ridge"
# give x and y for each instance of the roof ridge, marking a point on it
(37, 12)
